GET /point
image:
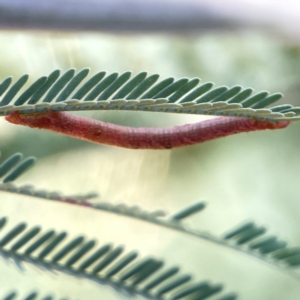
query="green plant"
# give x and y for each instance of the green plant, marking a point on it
(118, 92)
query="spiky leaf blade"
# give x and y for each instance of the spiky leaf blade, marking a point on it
(212, 94)
(52, 245)
(68, 248)
(205, 87)
(71, 86)
(100, 87)
(158, 88)
(39, 242)
(120, 81)
(184, 90)
(30, 91)
(80, 252)
(130, 85)
(26, 238)
(12, 234)
(45, 87)
(161, 278)
(4, 85)
(254, 99)
(20, 169)
(241, 96)
(142, 87)
(267, 101)
(111, 256)
(59, 85)
(88, 85)
(10, 163)
(170, 89)
(12, 92)
(174, 284)
(122, 263)
(228, 94)
(188, 211)
(95, 256)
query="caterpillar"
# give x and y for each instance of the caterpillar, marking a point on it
(140, 138)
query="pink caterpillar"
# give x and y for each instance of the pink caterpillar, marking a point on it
(141, 138)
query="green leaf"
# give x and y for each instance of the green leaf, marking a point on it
(52, 245)
(76, 80)
(108, 259)
(39, 93)
(241, 96)
(27, 237)
(68, 248)
(114, 86)
(130, 85)
(20, 169)
(228, 94)
(157, 88)
(254, 99)
(5, 84)
(197, 92)
(188, 211)
(100, 87)
(142, 87)
(170, 89)
(12, 234)
(10, 163)
(30, 91)
(184, 90)
(212, 94)
(59, 85)
(12, 92)
(89, 85)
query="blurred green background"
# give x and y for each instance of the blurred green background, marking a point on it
(252, 176)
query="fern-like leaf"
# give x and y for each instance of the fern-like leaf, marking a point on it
(105, 265)
(247, 238)
(117, 91)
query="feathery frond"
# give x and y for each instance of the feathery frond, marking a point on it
(105, 264)
(243, 239)
(117, 91)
